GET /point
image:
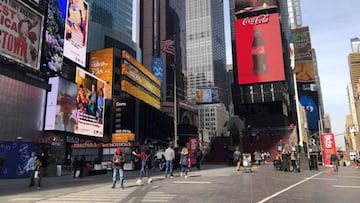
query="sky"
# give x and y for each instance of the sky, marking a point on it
(332, 24)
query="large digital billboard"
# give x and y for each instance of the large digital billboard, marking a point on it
(139, 94)
(207, 95)
(242, 6)
(61, 110)
(20, 33)
(90, 103)
(101, 65)
(54, 35)
(304, 67)
(76, 26)
(259, 49)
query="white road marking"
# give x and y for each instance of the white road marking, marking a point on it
(324, 179)
(347, 186)
(191, 182)
(288, 188)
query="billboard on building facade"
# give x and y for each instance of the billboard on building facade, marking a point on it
(61, 112)
(157, 68)
(328, 146)
(139, 94)
(304, 66)
(101, 65)
(54, 35)
(310, 101)
(258, 49)
(242, 6)
(124, 117)
(90, 103)
(21, 30)
(131, 72)
(76, 26)
(207, 95)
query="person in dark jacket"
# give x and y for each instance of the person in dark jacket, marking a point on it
(76, 167)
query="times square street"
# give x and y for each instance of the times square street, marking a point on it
(214, 183)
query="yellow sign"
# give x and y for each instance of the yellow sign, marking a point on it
(101, 65)
(136, 76)
(139, 94)
(123, 137)
(146, 72)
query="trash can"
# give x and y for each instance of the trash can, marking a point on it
(313, 161)
(247, 162)
(58, 170)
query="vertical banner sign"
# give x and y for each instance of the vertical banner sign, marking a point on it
(76, 31)
(90, 104)
(54, 39)
(101, 65)
(328, 146)
(259, 49)
(20, 33)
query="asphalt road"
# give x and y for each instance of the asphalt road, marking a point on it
(213, 184)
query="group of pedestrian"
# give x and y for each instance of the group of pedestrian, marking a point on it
(36, 166)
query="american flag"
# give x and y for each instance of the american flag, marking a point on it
(168, 46)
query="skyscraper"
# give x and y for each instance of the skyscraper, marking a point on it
(205, 46)
(294, 13)
(110, 25)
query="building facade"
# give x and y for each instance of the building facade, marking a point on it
(205, 47)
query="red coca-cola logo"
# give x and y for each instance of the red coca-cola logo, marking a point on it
(255, 20)
(258, 50)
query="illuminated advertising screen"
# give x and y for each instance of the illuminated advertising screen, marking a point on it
(131, 72)
(21, 30)
(101, 65)
(207, 95)
(90, 103)
(304, 67)
(61, 109)
(140, 67)
(259, 49)
(124, 117)
(54, 36)
(76, 26)
(309, 100)
(328, 147)
(139, 94)
(242, 6)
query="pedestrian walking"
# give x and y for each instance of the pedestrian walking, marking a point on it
(118, 163)
(237, 158)
(31, 167)
(169, 158)
(198, 156)
(184, 162)
(41, 167)
(145, 158)
(76, 167)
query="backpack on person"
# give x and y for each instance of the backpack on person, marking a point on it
(184, 160)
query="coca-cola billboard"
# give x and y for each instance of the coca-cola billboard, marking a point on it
(328, 146)
(259, 49)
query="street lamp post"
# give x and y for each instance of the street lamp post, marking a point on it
(175, 108)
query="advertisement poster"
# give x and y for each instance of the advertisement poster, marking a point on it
(157, 68)
(242, 6)
(329, 147)
(304, 66)
(207, 95)
(101, 65)
(90, 104)
(61, 105)
(76, 25)
(259, 49)
(193, 145)
(54, 39)
(20, 33)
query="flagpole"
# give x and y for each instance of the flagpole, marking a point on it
(175, 110)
